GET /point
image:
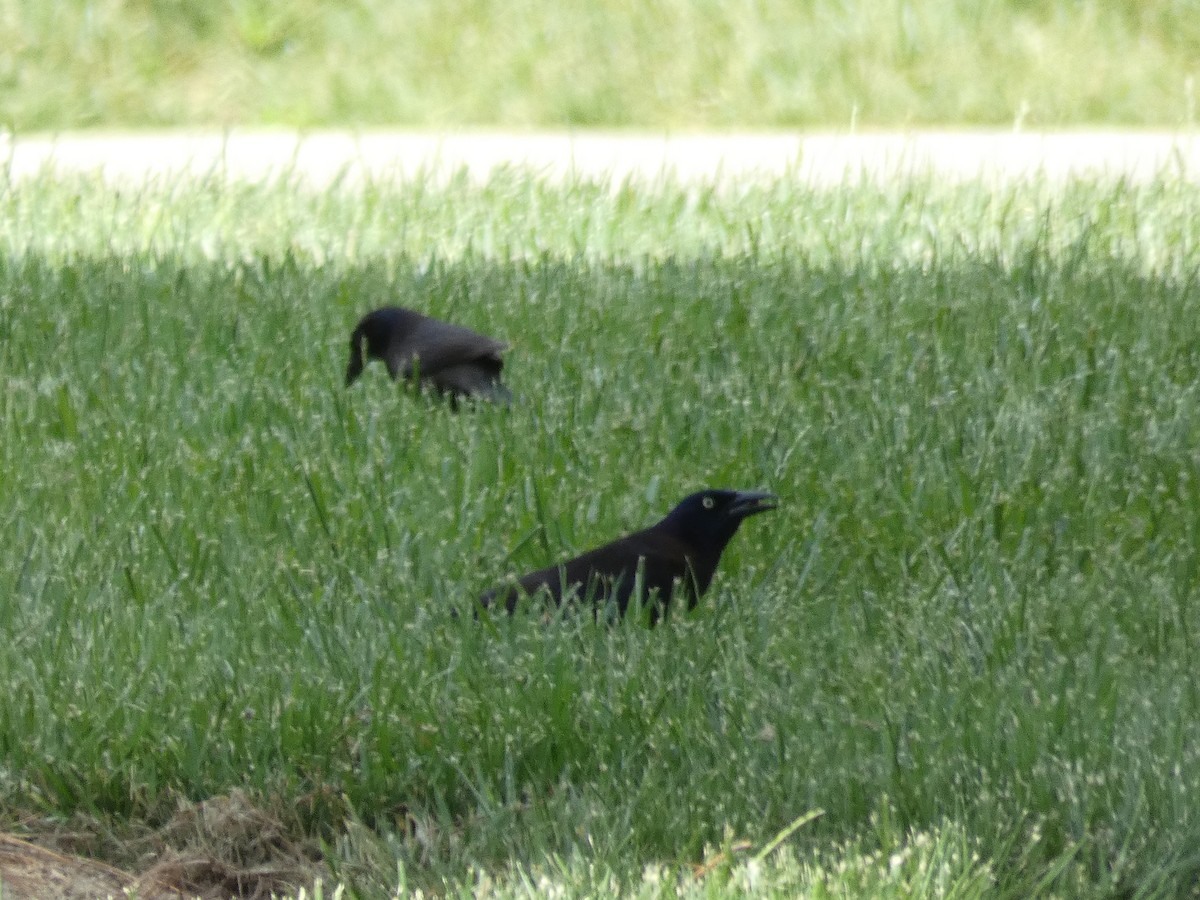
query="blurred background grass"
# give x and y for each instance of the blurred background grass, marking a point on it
(612, 63)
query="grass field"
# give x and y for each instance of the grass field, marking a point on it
(773, 63)
(965, 645)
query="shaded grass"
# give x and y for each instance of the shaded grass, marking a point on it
(971, 620)
(72, 64)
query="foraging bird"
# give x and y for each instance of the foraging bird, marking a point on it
(453, 359)
(683, 549)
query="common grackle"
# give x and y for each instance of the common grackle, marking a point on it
(453, 359)
(682, 550)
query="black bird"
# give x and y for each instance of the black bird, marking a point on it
(454, 360)
(683, 549)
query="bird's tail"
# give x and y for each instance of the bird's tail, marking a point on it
(355, 366)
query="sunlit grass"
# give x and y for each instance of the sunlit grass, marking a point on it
(971, 619)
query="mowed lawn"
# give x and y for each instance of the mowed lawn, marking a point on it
(964, 647)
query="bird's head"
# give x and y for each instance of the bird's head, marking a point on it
(709, 519)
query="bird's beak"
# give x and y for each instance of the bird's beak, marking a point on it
(749, 503)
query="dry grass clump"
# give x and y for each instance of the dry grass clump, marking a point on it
(227, 846)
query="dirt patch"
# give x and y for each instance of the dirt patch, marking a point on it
(225, 847)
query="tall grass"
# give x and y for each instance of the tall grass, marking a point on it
(968, 634)
(72, 64)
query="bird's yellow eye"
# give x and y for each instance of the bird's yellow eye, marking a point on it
(708, 502)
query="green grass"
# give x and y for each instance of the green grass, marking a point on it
(71, 64)
(967, 636)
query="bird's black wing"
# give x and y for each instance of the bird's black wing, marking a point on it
(606, 574)
(439, 345)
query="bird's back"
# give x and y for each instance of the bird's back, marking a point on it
(611, 573)
(440, 345)
(452, 358)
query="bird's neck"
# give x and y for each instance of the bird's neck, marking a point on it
(704, 548)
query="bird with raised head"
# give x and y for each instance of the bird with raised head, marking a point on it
(450, 358)
(678, 554)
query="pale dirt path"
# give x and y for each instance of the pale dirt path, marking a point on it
(810, 157)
